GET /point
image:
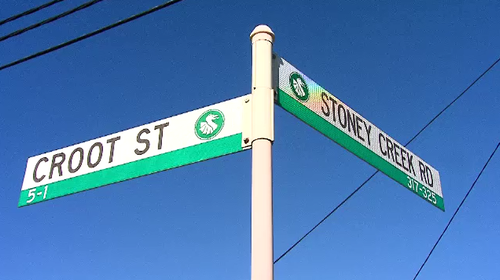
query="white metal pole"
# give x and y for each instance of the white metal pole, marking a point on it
(262, 267)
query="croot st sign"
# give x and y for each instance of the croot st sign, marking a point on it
(187, 138)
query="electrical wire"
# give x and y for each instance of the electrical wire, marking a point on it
(456, 211)
(460, 95)
(49, 20)
(371, 176)
(88, 35)
(30, 11)
(326, 217)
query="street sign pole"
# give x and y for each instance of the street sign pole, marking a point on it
(262, 267)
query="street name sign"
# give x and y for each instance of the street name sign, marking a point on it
(195, 136)
(305, 99)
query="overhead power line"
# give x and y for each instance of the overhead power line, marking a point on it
(88, 35)
(371, 176)
(460, 95)
(49, 20)
(456, 211)
(326, 217)
(30, 11)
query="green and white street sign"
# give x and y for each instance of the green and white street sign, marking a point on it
(305, 99)
(187, 138)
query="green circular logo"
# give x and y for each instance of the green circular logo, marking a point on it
(209, 124)
(299, 86)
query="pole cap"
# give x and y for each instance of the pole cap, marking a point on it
(262, 29)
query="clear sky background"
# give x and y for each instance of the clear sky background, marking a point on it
(397, 63)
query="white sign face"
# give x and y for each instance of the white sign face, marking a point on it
(312, 104)
(187, 138)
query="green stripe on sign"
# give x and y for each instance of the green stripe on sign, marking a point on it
(312, 119)
(177, 158)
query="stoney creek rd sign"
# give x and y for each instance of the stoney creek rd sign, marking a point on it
(305, 99)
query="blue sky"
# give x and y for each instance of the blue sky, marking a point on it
(396, 63)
